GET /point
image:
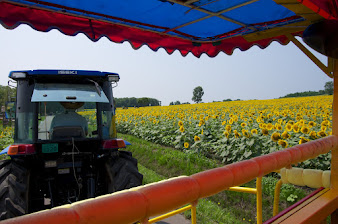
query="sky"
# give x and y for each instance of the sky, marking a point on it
(253, 74)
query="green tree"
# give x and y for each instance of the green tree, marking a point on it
(329, 87)
(4, 92)
(132, 102)
(197, 94)
(143, 102)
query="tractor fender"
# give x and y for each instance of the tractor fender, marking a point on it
(5, 150)
(127, 143)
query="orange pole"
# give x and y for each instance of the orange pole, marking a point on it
(334, 159)
(134, 205)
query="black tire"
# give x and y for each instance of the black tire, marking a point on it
(122, 172)
(14, 184)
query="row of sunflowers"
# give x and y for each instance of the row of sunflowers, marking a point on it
(235, 130)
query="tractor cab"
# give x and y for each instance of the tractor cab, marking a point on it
(60, 105)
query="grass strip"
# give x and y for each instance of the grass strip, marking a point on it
(167, 161)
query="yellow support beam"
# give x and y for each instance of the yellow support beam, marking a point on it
(193, 214)
(243, 190)
(276, 198)
(259, 200)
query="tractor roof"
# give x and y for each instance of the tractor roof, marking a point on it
(79, 73)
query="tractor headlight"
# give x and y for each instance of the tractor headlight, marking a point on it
(113, 77)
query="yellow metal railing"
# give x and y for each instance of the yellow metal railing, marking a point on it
(257, 191)
(191, 207)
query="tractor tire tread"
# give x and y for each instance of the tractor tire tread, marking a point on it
(14, 189)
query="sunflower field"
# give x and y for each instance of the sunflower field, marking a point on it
(6, 136)
(236, 130)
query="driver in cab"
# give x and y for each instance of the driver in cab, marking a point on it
(69, 118)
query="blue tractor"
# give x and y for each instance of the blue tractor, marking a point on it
(65, 144)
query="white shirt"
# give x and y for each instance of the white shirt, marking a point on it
(69, 119)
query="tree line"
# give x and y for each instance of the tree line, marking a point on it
(328, 89)
(136, 102)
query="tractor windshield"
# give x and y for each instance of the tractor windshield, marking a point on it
(68, 110)
(62, 111)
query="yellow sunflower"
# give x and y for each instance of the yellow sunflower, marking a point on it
(237, 135)
(283, 143)
(275, 136)
(226, 134)
(321, 134)
(265, 131)
(196, 138)
(288, 127)
(246, 133)
(295, 128)
(303, 140)
(254, 131)
(269, 126)
(278, 127)
(313, 134)
(285, 135)
(186, 145)
(305, 130)
(325, 123)
(312, 124)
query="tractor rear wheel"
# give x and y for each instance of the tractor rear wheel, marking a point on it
(123, 172)
(14, 184)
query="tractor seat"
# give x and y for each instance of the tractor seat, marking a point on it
(63, 132)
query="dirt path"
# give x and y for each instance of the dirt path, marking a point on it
(176, 219)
